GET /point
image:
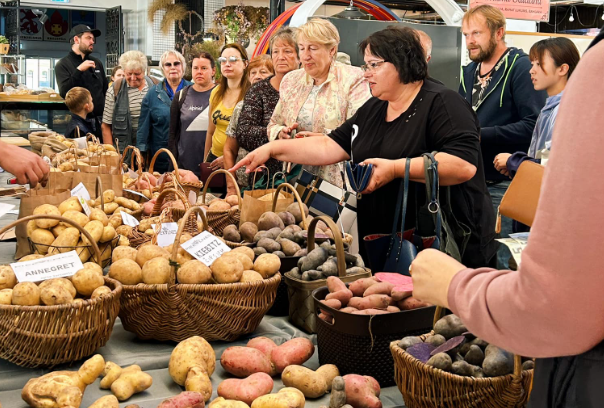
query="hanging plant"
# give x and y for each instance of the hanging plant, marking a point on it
(242, 21)
(173, 13)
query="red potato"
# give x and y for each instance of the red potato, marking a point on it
(362, 391)
(295, 351)
(394, 278)
(371, 312)
(186, 399)
(245, 361)
(246, 390)
(348, 309)
(411, 303)
(148, 206)
(370, 302)
(264, 344)
(333, 303)
(335, 284)
(382, 288)
(326, 317)
(343, 295)
(393, 309)
(400, 292)
(359, 286)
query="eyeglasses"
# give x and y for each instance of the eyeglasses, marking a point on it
(232, 60)
(371, 66)
(169, 64)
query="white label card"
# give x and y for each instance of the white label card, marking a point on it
(132, 174)
(85, 206)
(6, 209)
(136, 193)
(56, 266)
(129, 220)
(167, 235)
(516, 243)
(205, 247)
(81, 142)
(80, 191)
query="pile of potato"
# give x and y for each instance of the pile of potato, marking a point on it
(87, 283)
(218, 204)
(321, 263)
(150, 265)
(52, 236)
(453, 349)
(68, 161)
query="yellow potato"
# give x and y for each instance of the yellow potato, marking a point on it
(46, 209)
(126, 271)
(108, 196)
(71, 204)
(97, 214)
(86, 281)
(108, 234)
(150, 251)
(123, 241)
(6, 296)
(84, 252)
(246, 250)
(156, 271)
(7, 277)
(123, 252)
(31, 227)
(115, 220)
(95, 229)
(26, 294)
(110, 208)
(55, 294)
(78, 217)
(42, 238)
(100, 291)
(94, 267)
(227, 269)
(31, 257)
(193, 272)
(243, 258)
(65, 241)
(65, 283)
(267, 265)
(124, 230)
(251, 276)
(56, 231)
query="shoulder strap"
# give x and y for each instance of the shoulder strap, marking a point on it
(182, 95)
(151, 80)
(117, 84)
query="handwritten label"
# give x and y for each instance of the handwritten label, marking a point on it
(167, 235)
(205, 247)
(129, 220)
(135, 193)
(516, 243)
(85, 206)
(56, 266)
(80, 191)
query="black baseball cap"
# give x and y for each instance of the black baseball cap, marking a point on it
(83, 28)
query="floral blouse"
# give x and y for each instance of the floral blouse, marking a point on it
(336, 101)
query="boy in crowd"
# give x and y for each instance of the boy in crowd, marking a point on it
(79, 102)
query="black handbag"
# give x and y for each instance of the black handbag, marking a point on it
(359, 175)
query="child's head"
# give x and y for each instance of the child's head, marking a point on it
(78, 99)
(554, 60)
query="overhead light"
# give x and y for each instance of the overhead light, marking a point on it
(353, 13)
(571, 18)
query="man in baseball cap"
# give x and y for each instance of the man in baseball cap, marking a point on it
(79, 68)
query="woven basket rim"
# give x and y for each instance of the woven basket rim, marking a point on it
(217, 286)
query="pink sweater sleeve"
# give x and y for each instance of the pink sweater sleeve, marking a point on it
(554, 304)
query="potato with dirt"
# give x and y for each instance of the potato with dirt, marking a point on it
(191, 364)
(8, 280)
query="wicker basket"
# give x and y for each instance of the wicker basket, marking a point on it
(219, 220)
(136, 154)
(301, 305)
(45, 336)
(360, 344)
(423, 386)
(175, 183)
(175, 312)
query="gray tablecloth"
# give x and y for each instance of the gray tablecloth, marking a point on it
(124, 348)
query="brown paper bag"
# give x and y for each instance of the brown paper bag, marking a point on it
(70, 180)
(257, 202)
(29, 201)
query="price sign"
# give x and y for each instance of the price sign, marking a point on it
(80, 191)
(85, 206)
(129, 220)
(56, 266)
(167, 235)
(205, 247)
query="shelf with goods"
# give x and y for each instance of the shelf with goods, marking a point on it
(12, 69)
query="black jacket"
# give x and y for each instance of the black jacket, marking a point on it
(69, 76)
(89, 125)
(509, 112)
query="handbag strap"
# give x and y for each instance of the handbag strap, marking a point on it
(403, 194)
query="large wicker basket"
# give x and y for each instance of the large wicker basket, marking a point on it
(423, 386)
(175, 312)
(301, 304)
(45, 336)
(219, 220)
(175, 183)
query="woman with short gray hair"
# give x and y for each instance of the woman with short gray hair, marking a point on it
(154, 123)
(123, 103)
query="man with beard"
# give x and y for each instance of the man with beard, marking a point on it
(497, 84)
(78, 68)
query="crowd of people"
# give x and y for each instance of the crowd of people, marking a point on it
(302, 106)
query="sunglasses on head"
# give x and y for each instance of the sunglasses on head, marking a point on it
(169, 64)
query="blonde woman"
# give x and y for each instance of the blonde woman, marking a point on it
(322, 95)
(124, 99)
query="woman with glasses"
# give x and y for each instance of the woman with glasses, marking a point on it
(321, 96)
(189, 114)
(406, 117)
(234, 83)
(154, 122)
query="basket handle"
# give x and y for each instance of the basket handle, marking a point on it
(172, 158)
(97, 187)
(95, 247)
(220, 171)
(141, 175)
(260, 169)
(174, 255)
(160, 200)
(296, 196)
(336, 235)
(134, 152)
(440, 312)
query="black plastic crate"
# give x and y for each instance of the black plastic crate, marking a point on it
(360, 344)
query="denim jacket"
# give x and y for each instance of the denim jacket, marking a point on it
(154, 124)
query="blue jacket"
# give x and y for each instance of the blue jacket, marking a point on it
(154, 125)
(508, 114)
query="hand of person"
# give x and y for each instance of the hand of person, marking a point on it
(305, 133)
(500, 163)
(28, 167)
(86, 65)
(432, 272)
(217, 163)
(286, 132)
(254, 159)
(383, 173)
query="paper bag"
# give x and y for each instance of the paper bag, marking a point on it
(69, 180)
(257, 202)
(29, 201)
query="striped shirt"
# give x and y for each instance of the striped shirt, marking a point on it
(135, 98)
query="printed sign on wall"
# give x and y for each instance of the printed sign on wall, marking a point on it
(29, 25)
(57, 27)
(534, 10)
